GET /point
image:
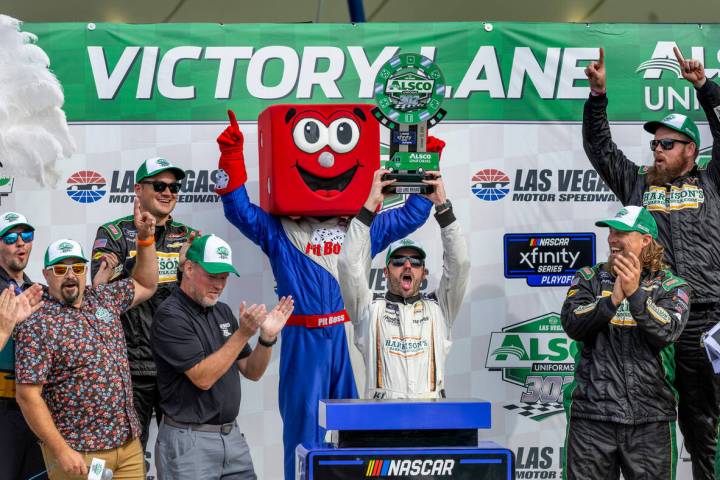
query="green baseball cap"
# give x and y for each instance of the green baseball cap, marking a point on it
(404, 243)
(212, 253)
(10, 220)
(632, 219)
(679, 123)
(62, 249)
(155, 165)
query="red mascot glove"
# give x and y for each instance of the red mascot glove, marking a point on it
(434, 144)
(232, 173)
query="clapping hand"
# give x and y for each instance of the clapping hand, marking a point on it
(276, 318)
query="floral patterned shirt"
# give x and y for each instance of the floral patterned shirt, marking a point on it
(80, 358)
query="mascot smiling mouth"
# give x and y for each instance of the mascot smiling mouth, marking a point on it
(327, 186)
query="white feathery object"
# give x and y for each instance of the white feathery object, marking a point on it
(34, 134)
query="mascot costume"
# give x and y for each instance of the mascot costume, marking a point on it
(316, 168)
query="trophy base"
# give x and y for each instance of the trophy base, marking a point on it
(407, 184)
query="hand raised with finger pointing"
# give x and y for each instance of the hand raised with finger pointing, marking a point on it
(595, 72)
(692, 70)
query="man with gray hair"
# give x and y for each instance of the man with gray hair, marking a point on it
(200, 350)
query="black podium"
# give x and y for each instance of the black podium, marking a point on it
(429, 439)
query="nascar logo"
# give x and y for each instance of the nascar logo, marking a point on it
(407, 467)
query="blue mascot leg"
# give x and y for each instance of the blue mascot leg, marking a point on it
(342, 384)
(305, 373)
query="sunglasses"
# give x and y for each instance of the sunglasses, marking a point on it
(160, 187)
(666, 143)
(12, 237)
(61, 269)
(400, 261)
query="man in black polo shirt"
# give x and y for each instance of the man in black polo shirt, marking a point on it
(18, 443)
(199, 350)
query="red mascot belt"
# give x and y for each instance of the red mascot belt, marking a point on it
(318, 321)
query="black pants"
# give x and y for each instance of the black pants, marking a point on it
(699, 389)
(601, 450)
(146, 398)
(19, 448)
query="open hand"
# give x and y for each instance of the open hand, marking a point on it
(276, 318)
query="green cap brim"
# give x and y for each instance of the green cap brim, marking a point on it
(217, 267)
(651, 127)
(422, 253)
(10, 227)
(60, 259)
(619, 226)
(179, 173)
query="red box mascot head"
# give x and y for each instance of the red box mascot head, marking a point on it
(317, 160)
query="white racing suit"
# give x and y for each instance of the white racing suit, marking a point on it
(404, 342)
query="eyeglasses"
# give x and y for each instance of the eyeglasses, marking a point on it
(160, 187)
(12, 237)
(61, 269)
(400, 261)
(666, 143)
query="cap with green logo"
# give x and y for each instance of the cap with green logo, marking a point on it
(679, 123)
(212, 253)
(10, 220)
(632, 219)
(404, 243)
(155, 165)
(63, 249)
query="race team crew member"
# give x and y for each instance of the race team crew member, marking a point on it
(73, 378)
(200, 351)
(314, 359)
(684, 198)
(18, 443)
(156, 187)
(624, 315)
(406, 336)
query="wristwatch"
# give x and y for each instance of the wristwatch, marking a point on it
(265, 343)
(443, 206)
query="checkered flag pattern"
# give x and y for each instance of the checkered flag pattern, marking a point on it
(535, 409)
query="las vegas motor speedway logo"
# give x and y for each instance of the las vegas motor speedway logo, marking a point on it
(541, 185)
(87, 186)
(537, 356)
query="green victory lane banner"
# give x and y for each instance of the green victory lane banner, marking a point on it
(493, 71)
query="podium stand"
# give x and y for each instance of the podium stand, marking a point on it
(429, 439)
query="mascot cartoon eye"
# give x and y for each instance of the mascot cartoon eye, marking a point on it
(310, 135)
(343, 135)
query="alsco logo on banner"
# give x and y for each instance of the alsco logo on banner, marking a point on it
(538, 357)
(658, 95)
(547, 259)
(541, 185)
(429, 467)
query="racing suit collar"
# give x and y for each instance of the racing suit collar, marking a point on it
(392, 297)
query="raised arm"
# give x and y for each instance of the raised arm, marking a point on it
(708, 94)
(611, 163)
(456, 261)
(256, 224)
(145, 273)
(15, 309)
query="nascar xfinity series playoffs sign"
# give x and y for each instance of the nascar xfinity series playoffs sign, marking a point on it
(523, 191)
